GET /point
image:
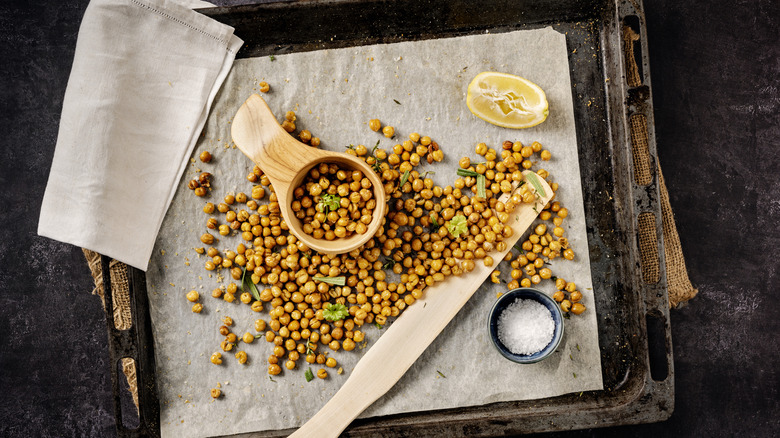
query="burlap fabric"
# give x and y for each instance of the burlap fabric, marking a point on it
(120, 294)
(679, 285)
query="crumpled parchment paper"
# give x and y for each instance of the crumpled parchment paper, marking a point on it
(415, 87)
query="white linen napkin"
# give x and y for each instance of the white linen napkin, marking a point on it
(144, 76)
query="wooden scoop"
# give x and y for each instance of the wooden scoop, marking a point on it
(286, 161)
(406, 339)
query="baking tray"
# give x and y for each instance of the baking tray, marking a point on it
(631, 297)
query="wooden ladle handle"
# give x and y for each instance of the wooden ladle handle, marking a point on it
(257, 133)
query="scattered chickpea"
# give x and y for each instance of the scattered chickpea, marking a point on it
(193, 296)
(284, 269)
(322, 373)
(197, 308)
(216, 393)
(205, 156)
(242, 357)
(216, 358)
(264, 87)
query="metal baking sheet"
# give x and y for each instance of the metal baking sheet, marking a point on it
(633, 315)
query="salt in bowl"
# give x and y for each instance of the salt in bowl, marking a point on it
(527, 294)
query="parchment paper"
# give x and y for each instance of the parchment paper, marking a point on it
(415, 87)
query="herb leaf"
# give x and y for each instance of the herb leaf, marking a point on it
(335, 312)
(388, 264)
(336, 281)
(530, 176)
(308, 375)
(329, 203)
(466, 172)
(481, 185)
(434, 224)
(394, 100)
(404, 178)
(457, 225)
(248, 286)
(441, 374)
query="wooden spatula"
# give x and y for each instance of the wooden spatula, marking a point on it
(406, 339)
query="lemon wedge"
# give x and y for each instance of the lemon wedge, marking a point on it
(506, 100)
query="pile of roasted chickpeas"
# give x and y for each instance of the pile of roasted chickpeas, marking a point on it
(334, 202)
(430, 233)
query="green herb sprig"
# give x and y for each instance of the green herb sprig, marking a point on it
(466, 172)
(335, 312)
(248, 286)
(457, 225)
(328, 203)
(404, 178)
(530, 176)
(481, 185)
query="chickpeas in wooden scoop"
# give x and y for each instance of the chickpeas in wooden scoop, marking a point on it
(334, 202)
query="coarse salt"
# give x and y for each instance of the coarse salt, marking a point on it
(525, 327)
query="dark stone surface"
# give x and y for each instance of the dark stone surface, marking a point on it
(715, 69)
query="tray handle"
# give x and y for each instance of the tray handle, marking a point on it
(137, 344)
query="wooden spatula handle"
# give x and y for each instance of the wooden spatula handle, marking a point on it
(399, 347)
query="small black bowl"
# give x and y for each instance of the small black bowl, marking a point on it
(538, 296)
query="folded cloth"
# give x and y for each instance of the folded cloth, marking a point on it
(144, 76)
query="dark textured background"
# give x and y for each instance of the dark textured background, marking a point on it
(715, 68)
